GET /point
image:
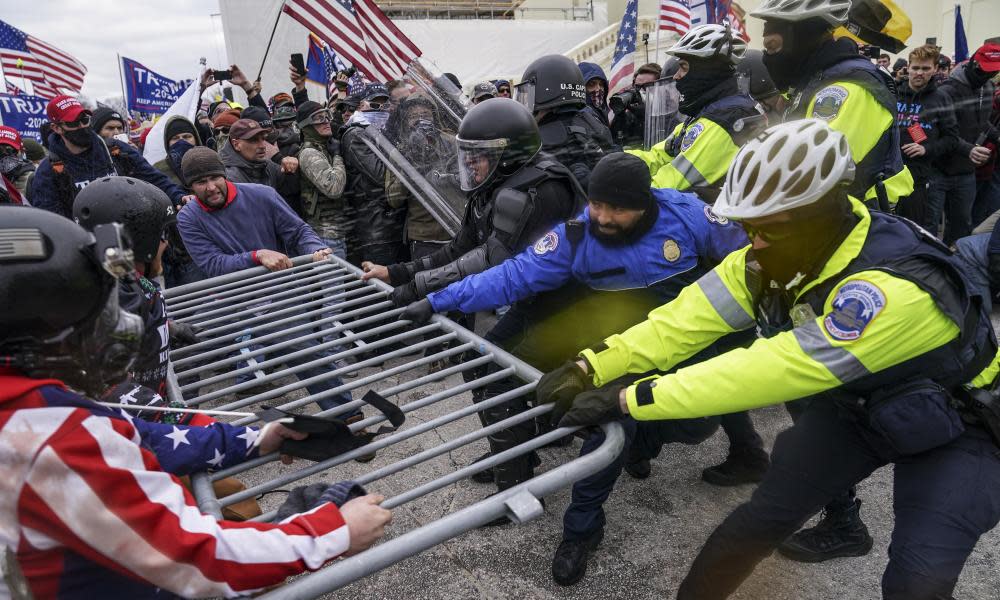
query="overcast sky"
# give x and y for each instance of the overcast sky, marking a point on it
(167, 36)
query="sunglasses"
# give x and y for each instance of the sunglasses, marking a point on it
(771, 234)
(377, 105)
(81, 121)
(221, 130)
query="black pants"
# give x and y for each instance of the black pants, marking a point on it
(944, 499)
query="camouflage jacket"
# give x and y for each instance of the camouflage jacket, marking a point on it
(323, 178)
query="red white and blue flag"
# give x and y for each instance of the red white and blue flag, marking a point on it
(358, 31)
(11, 88)
(622, 64)
(45, 66)
(675, 16)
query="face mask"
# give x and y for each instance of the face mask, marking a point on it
(9, 162)
(79, 137)
(803, 245)
(596, 99)
(177, 152)
(287, 136)
(784, 67)
(977, 77)
(702, 78)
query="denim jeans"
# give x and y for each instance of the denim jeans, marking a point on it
(954, 194)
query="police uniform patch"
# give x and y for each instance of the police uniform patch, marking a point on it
(671, 251)
(828, 102)
(714, 218)
(691, 135)
(855, 306)
(548, 243)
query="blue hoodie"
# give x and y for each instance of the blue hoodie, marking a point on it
(89, 166)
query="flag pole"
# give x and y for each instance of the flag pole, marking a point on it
(269, 40)
(121, 79)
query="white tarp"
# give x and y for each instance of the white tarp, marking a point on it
(472, 49)
(186, 105)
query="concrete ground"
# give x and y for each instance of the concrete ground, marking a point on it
(655, 528)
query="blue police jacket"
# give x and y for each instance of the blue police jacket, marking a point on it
(686, 236)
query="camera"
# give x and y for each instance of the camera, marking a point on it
(625, 100)
(872, 52)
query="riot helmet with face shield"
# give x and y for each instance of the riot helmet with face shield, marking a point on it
(550, 82)
(142, 208)
(496, 138)
(59, 312)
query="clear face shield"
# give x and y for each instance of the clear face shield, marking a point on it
(477, 161)
(524, 93)
(661, 101)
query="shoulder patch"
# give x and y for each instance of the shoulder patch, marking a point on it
(671, 251)
(691, 135)
(828, 101)
(714, 218)
(548, 243)
(855, 306)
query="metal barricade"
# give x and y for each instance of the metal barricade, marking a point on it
(315, 315)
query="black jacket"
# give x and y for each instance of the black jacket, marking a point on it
(376, 221)
(931, 109)
(577, 138)
(972, 109)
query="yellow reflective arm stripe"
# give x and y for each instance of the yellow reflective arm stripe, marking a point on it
(704, 162)
(656, 157)
(861, 119)
(703, 312)
(989, 374)
(802, 362)
(899, 185)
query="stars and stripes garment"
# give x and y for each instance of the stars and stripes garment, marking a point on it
(622, 64)
(358, 31)
(47, 67)
(89, 511)
(675, 16)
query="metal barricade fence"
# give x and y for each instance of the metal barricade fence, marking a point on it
(310, 318)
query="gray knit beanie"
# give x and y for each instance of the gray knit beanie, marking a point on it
(199, 162)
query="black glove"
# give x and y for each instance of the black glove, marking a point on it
(182, 334)
(307, 497)
(561, 386)
(594, 407)
(403, 295)
(418, 312)
(333, 146)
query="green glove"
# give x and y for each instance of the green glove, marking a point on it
(594, 407)
(560, 386)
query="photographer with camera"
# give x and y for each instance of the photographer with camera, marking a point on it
(628, 108)
(695, 157)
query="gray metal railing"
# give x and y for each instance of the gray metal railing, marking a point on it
(317, 314)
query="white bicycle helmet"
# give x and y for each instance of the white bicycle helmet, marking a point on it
(790, 165)
(706, 41)
(833, 12)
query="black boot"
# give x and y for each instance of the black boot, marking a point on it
(569, 564)
(838, 534)
(747, 465)
(639, 469)
(487, 475)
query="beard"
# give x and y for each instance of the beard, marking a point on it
(612, 235)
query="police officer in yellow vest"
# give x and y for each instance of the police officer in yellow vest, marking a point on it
(866, 319)
(827, 79)
(698, 152)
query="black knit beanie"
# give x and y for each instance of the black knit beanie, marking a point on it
(102, 115)
(176, 126)
(622, 180)
(201, 162)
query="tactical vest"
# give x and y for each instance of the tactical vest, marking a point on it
(903, 250)
(508, 220)
(569, 138)
(330, 217)
(885, 158)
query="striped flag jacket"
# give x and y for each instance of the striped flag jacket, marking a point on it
(90, 506)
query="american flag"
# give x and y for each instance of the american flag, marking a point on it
(358, 31)
(675, 15)
(622, 63)
(47, 67)
(11, 88)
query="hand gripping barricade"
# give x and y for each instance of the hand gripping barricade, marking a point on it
(258, 319)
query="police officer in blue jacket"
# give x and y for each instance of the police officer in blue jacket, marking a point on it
(632, 249)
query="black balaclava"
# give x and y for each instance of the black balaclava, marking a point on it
(808, 240)
(976, 76)
(80, 137)
(799, 40)
(704, 75)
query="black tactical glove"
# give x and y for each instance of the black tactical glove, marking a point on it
(333, 146)
(561, 386)
(182, 334)
(594, 407)
(418, 312)
(403, 295)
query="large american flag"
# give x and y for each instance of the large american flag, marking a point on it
(45, 66)
(622, 63)
(358, 31)
(675, 15)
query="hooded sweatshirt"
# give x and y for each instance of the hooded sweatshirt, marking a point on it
(594, 71)
(931, 110)
(169, 167)
(972, 108)
(263, 172)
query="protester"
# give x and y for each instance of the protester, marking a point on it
(246, 160)
(13, 164)
(398, 91)
(483, 91)
(323, 178)
(928, 133)
(220, 127)
(503, 87)
(628, 107)
(596, 84)
(970, 93)
(33, 150)
(77, 156)
(108, 122)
